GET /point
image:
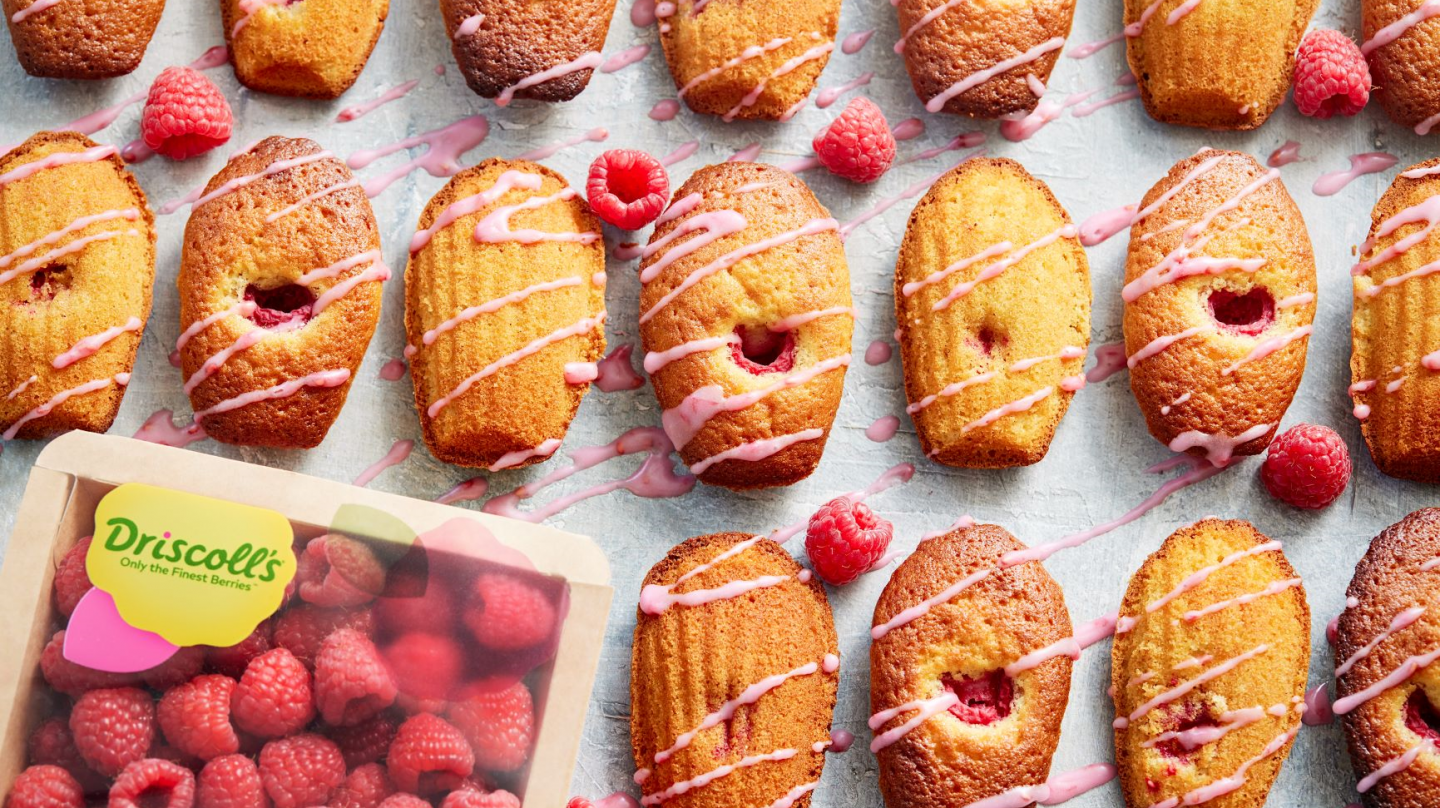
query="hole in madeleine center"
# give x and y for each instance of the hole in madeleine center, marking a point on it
(1184, 718)
(48, 281)
(984, 699)
(1249, 313)
(280, 305)
(1421, 717)
(761, 350)
(986, 340)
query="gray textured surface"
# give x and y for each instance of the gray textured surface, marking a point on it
(1093, 472)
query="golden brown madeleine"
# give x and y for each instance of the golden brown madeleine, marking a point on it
(1390, 718)
(499, 44)
(741, 59)
(280, 293)
(992, 294)
(719, 615)
(81, 39)
(1216, 64)
(978, 59)
(311, 49)
(77, 268)
(1219, 301)
(505, 289)
(1214, 642)
(995, 729)
(745, 311)
(1395, 333)
(1404, 61)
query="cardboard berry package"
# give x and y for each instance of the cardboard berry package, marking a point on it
(186, 631)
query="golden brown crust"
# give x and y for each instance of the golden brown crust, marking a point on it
(94, 289)
(946, 761)
(518, 40)
(689, 660)
(1226, 64)
(314, 49)
(1403, 72)
(1159, 655)
(520, 406)
(1036, 308)
(1396, 328)
(1389, 580)
(83, 39)
(807, 274)
(972, 37)
(229, 246)
(700, 47)
(1265, 225)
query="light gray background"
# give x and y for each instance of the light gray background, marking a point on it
(1094, 469)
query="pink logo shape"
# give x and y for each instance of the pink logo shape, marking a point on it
(98, 637)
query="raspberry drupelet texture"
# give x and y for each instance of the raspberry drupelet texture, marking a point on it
(429, 755)
(72, 581)
(1307, 466)
(302, 771)
(627, 188)
(231, 781)
(427, 667)
(185, 114)
(498, 723)
(273, 697)
(858, 145)
(153, 783)
(195, 717)
(845, 539)
(352, 683)
(1331, 75)
(113, 728)
(45, 786)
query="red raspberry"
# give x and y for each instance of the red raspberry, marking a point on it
(1330, 75)
(1308, 466)
(52, 745)
(113, 727)
(579, 802)
(858, 145)
(351, 681)
(434, 610)
(429, 755)
(185, 115)
(183, 666)
(499, 724)
(273, 698)
(627, 188)
(302, 771)
(365, 742)
(365, 787)
(336, 570)
(153, 783)
(475, 798)
(196, 717)
(232, 781)
(303, 629)
(45, 787)
(426, 667)
(72, 581)
(506, 613)
(845, 540)
(401, 800)
(72, 679)
(232, 660)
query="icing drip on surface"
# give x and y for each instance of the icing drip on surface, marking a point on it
(441, 158)
(160, 428)
(1333, 182)
(361, 110)
(397, 455)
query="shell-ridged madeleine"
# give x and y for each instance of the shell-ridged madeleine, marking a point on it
(77, 267)
(93, 39)
(746, 314)
(1403, 68)
(1000, 728)
(696, 653)
(741, 59)
(1219, 301)
(261, 228)
(1214, 636)
(500, 43)
(1217, 64)
(1395, 330)
(952, 52)
(505, 288)
(311, 49)
(992, 296)
(1396, 616)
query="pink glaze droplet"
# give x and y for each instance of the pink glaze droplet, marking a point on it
(361, 110)
(397, 455)
(473, 488)
(883, 429)
(1288, 153)
(160, 428)
(908, 129)
(853, 43)
(393, 371)
(878, 353)
(1332, 182)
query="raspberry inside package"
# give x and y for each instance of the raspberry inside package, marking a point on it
(192, 632)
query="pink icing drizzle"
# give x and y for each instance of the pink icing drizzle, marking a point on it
(582, 326)
(924, 710)
(1234, 782)
(587, 61)
(1274, 588)
(1088, 49)
(469, 26)
(709, 777)
(1058, 789)
(1286, 154)
(1267, 347)
(789, 66)
(473, 488)
(655, 360)
(495, 228)
(198, 197)
(685, 420)
(595, 135)
(308, 198)
(1318, 711)
(1084, 636)
(91, 345)
(1403, 762)
(443, 148)
(998, 268)
(392, 371)
(1332, 182)
(757, 450)
(129, 214)
(830, 95)
(665, 110)
(1401, 621)
(938, 102)
(508, 181)
(324, 378)
(55, 160)
(70, 248)
(397, 455)
(1159, 344)
(625, 58)
(96, 385)
(361, 110)
(878, 353)
(1200, 576)
(1399, 27)
(854, 42)
(34, 8)
(1218, 447)
(1180, 690)
(1012, 408)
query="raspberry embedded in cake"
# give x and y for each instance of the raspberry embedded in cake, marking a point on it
(283, 305)
(983, 699)
(1421, 717)
(986, 341)
(762, 351)
(1188, 716)
(48, 281)
(1248, 314)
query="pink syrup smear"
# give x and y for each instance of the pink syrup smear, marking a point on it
(1399, 27)
(1085, 636)
(1267, 347)
(709, 777)
(1401, 621)
(964, 140)
(1092, 107)
(1023, 126)
(495, 227)
(70, 248)
(473, 488)
(655, 478)
(839, 743)
(397, 455)
(93, 386)
(685, 420)
(963, 523)
(1395, 678)
(361, 110)
(51, 239)
(1103, 225)
(1288, 153)
(642, 13)
(1110, 359)
(393, 371)
(506, 182)
(611, 374)
(1318, 711)
(1058, 789)
(819, 51)
(91, 345)
(1331, 182)
(587, 61)
(1088, 49)
(1200, 576)
(665, 110)
(747, 154)
(889, 202)
(757, 450)
(1273, 588)
(655, 360)
(322, 379)
(924, 710)
(198, 197)
(1177, 692)
(830, 95)
(879, 352)
(853, 43)
(681, 152)
(883, 429)
(441, 158)
(582, 326)
(34, 8)
(625, 58)
(938, 102)
(160, 428)
(596, 135)
(1396, 765)
(515, 458)
(1233, 783)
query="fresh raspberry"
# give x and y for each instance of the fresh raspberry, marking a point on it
(232, 781)
(506, 613)
(113, 727)
(1307, 466)
(429, 755)
(499, 724)
(845, 539)
(165, 751)
(434, 609)
(52, 745)
(303, 629)
(579, 802)
(858, 145)
(336, 570)
(352, 683)
(72, 679)
(475, 798)
(365, 787)
(153, 783)
(1330, 75)
(181, 667)
(195, 717)
(232, 660)
(365, 742)
(185, 115)
(72, 581)
(627, 188)
(426, 667)
(273, 698)
(302, 771)
(402, 800)
(45, 786)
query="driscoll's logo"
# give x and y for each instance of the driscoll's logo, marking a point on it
(245, 561)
